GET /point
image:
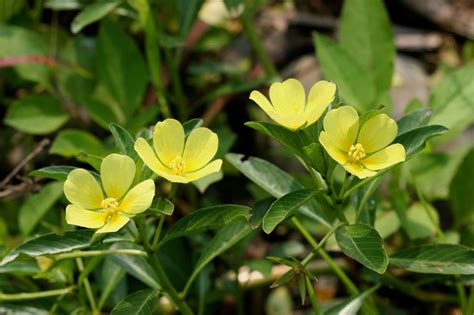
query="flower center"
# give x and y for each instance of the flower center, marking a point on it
(357, 152)
(110, 205)
(177, 165)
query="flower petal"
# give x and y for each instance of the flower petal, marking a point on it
(320, 96)
(76, 215)
(117, 172)
(342, 125)
(210, 168)
(148, 156)
(139, 198)
(336, 154)
(115, 223)
(358, 170)
(288, 98)
(201, 146)
(384, 158)
(264, 104)
(83, 190)
(378, 132)
(168, 140)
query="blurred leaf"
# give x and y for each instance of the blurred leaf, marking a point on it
(352, 305)
(284, 279)
(206, 218)
(71, 142)
(60, 5)
(160, 206)
(18, 42)
(354, 84)
(138, 303)
(276, 182)
(413, 120)
(279, 302)
(100, 112)
(461, 191)
(446, 259)
(51, 244)
(452, 100)
(37, 114)
(419, 223)
(415, 140)
(366, 34)
(58, 172)
(203, 183)
(123, 140)
(93, 13)
(125, 83)
(111, 275)
(387, 223)
(187, 13)
(36, 206)
(285, 207)
(364, 244)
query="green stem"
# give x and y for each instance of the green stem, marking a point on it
(91, 253)
(345, 182)
(256, 43)
(470, 302)
(87, 287)
(461, 294)
(156, 238)
(35, 295)
(312, 297)
(314, 252)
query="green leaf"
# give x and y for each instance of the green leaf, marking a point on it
(366, 34)
(36, 206)
(138, 303)
(364, 244)
(446, 259)
(206, 218)
(93, 160)
(192, 124)
(51, 244)
(37, 115)
(187, 13)
(419, 222)
(452, 100)
(58, 172)
(415, 140)
(19, 42)
(352, 305)
(123, 140)
(93, 13)
(203, 183)
(71, 142)
(125, 83)
(285, 207)
(160, 206)
(413, 120)
(276, 182)
(354, 84)
(100, 112)
(294, 140)
(461, 190)
(315, 154)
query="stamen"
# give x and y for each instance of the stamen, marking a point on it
(110, 205)
(177, 165)
(357, 152)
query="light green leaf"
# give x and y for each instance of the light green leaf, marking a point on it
(285, 207)
(366, 34)
(419, 223)
(461, 190)
(71, 142)
(138, 303)
(354, 84)
(364, 244)
(101, 112)
(352, 305)
(160, 206)
(415, 140)
(37, 115)
(413, 120)
(206, 218)
(446, 259)
(92, 13)
(123, 140)
(36, 206)
(58, 172)
(203, 183)
(51, 244)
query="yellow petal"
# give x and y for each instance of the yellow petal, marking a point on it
(264, 104)
(146, 153)
(168, 140)
(83, 190)
(117, 172)
(288, 98)
(342, 125)
(76, 215)
(320, 96)
(384, 158)
(358, 170)
(115, 223)
(336, 154)
(139, 198)
(378, 132)
(201, 146)
(212, 167)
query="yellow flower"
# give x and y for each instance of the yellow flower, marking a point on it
(110, 209)
(361, 150)
(177, 159)
(289, 106)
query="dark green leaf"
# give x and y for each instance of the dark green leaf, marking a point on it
(440, 259)
(461, 190)
(58, 172)
(192, 124)
(352, 305)
(187, 12)
(413, 120)
(123, 140)
(92, 13)
(415, 140)
(285, 207)
(71, 142)
(364, 244)
(138, 303)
